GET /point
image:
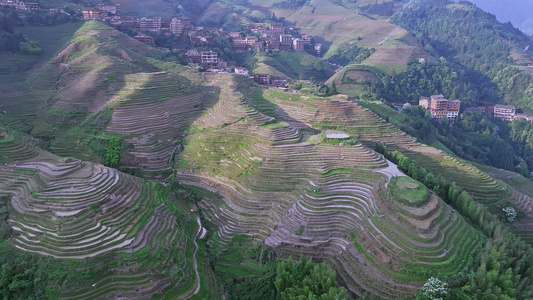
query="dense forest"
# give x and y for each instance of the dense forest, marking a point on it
(9, 40)
(12, 41)
(475, 44)
(475, 136)
(423, 79)
(350, 54)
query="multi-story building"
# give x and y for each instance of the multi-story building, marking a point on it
(238, 44)
(269, 34)
(32, 6)
(278, 81)
(177, 25)
(285, 39)
(209, 57)
(298, 44)
(438, 106)
(91, 14)
(241, 71)
(454, 106)
(259, 45)
(273, 45)
(250, 40)
(150, 24)
(504, 112)
(424, 102)
(277, 28)
(263, 79)
(441, 107)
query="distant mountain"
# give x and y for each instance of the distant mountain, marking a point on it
(516, 11)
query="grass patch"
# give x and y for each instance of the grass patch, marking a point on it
(275, 125)
(408, 191)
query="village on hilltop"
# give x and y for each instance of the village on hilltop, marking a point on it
(253, 37)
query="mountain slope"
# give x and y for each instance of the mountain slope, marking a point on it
(119, 234)
(279, 182)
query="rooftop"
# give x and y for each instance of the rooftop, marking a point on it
(504, 106)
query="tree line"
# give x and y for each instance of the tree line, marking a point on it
(505, 270)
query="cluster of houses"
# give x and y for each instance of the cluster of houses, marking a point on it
(270, 37)
(20, 5)
(440, 108)
(255, 37)
(210, 61)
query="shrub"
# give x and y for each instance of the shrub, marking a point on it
(31, 48)
(113, 151)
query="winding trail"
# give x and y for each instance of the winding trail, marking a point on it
(189, 294)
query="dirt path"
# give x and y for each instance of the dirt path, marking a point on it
(393, 32)
(189, 294)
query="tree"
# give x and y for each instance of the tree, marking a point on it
(318, 66)
(113, 151)
(333, 90)
(406, 107)
(510, 214)
(305, 280)
(433, 289)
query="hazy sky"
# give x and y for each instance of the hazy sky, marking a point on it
(519, 12)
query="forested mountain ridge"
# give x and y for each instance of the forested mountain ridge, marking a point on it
(478, 45)
(518, 12)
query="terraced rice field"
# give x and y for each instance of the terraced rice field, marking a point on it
(88, 214)
(489, 186)
(152, 113)
(338, 114)
(278, 183)
(522, 193)
(14, 148)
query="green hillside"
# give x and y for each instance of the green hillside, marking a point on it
(296, 65)
(126, 175)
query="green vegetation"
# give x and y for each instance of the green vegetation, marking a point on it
(443, 77)
(381, 9)
(474, 136)
(113, 151)
(21, 276)
(475, 42)
(508, 279)
(9, 40)
(408, 191)
(294, 64)
(248, 181)
(304, 280)
(351, 54)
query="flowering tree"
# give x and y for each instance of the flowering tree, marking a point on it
(433, 289)
(510, 214)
